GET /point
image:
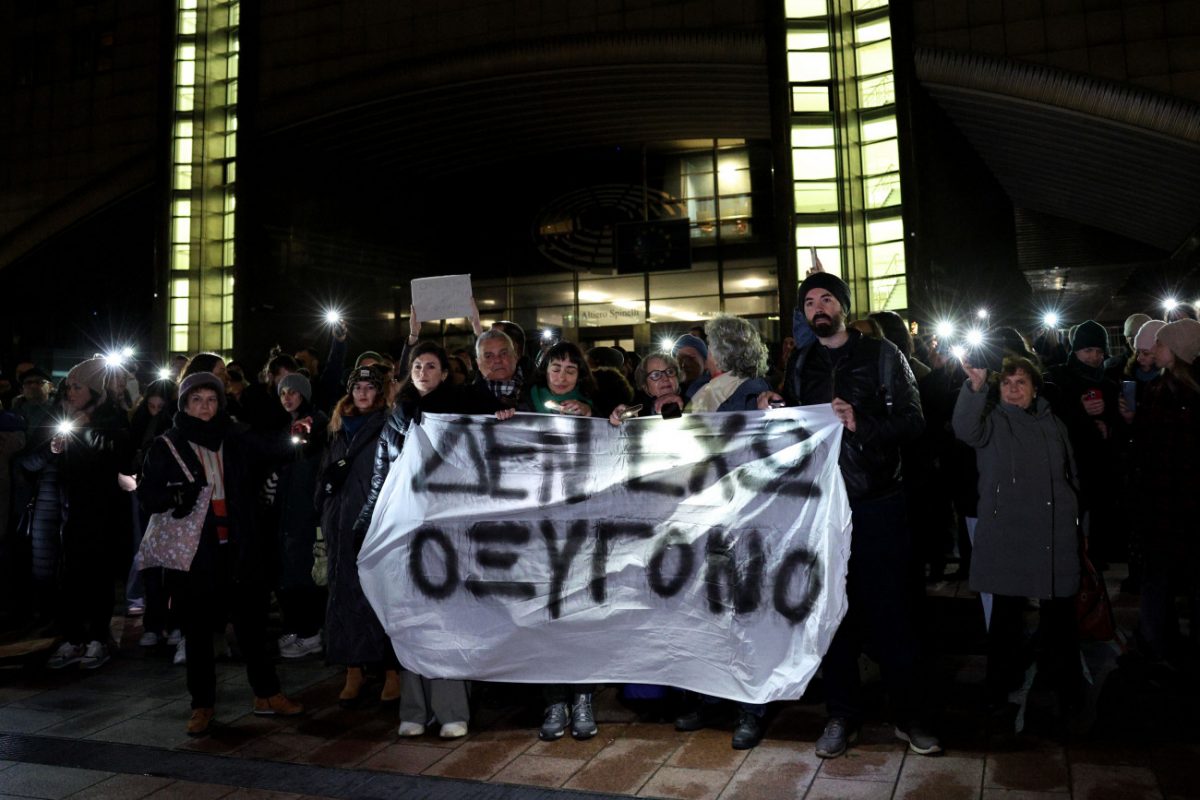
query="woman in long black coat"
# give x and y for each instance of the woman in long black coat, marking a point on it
(228, 573)
(354, 637)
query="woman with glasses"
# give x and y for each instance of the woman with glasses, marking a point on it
(657, 380)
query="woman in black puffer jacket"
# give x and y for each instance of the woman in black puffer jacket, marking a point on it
(426, 389)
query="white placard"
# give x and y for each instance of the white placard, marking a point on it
(443, 297)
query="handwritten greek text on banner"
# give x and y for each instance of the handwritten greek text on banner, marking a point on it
(707, 552)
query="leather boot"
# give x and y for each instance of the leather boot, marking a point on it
(353, 688)
(391, 687)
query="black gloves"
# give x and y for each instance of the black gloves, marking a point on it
(185, 500)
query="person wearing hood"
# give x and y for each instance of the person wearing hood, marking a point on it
(1086, 401)
(88, 449)
(225, 578)
(287, 496)
(1026, 540)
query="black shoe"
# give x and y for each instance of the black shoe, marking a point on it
(558, 717)
(704, 716)
(748, 732)
(839, 734)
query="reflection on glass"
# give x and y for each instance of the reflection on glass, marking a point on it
(889, 293)
(877, 91)
(880, 157)
(885, 259)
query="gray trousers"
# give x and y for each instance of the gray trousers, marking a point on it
(424, 698)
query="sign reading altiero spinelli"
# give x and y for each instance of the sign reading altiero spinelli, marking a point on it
(706, 552)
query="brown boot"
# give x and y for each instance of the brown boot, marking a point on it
(391, 687)
(353, 688)
(277, 705)
(198, 724)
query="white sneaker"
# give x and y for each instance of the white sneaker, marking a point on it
(149, 639)
(410, 729)
(95, 656)
(453, 730)
(301, 646)
(66, 655)
(180, 653)
(175, 637)
(286, 640)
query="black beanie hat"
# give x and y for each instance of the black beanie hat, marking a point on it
(1089, 334)
(830, 283)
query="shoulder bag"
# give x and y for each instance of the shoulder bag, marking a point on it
(170, 542)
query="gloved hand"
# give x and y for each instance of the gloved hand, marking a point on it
(335, 475)
(185, 500)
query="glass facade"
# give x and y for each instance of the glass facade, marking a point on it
(203, 202)
(712, 181)
(845, 147)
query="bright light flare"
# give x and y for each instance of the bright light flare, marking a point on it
(1170, 304)
(296, 440)
(944, 329)
(547, 335)
(333, 316)
(974, 337)
(164, 373)
(982, 313)
(1051, 319)
(666, 344)
(113, 359)
(65, 427)
(958, 351)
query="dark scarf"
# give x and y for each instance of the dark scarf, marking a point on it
(1094, 374)
(351, 425)
(206, 434)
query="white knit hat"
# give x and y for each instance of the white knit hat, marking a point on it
(1145, 335)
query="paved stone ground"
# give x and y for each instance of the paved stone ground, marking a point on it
(1133, 741)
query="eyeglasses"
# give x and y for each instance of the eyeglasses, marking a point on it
(659, 374)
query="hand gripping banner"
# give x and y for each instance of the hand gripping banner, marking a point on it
(707, 552)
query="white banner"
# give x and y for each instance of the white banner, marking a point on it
(707, 552)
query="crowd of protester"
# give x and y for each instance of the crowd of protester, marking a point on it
(1011, 458)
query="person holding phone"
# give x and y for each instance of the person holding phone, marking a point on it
(1026, 541)
(657, 380)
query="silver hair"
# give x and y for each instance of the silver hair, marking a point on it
(493, 334)
(736, 346)
(639, 374)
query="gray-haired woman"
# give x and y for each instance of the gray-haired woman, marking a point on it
(657, 382)
(737, 360)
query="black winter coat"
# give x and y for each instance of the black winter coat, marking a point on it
(353, 633)
(293, 509)
(241, 454)
(93, 511)
(445, 399)
(876, 379)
